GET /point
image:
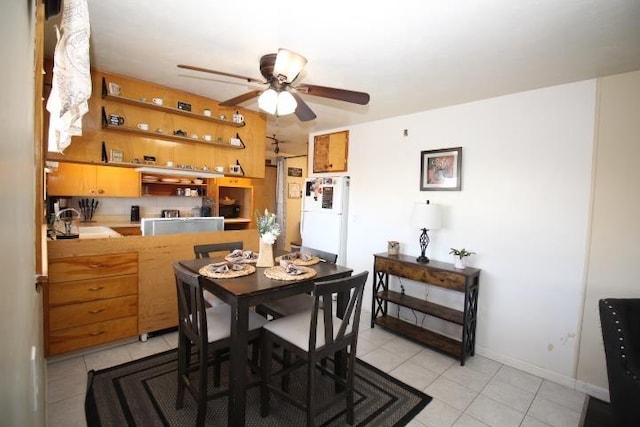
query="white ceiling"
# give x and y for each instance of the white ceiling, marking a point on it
(408, 55)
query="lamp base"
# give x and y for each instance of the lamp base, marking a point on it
(422, 259)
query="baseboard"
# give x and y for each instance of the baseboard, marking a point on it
(592, 390)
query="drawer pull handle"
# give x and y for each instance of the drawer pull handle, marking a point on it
(96, 311)
(95, 334)
(97, 288)
(94, 265)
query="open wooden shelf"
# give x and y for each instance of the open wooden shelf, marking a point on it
(165, 136)
(151, 106)
(423, 306)
(424, 336)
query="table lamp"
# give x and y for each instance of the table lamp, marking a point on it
(427, 217)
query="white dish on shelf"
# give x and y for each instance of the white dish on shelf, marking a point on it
(185, 181)
(171, 180)
(198, 181)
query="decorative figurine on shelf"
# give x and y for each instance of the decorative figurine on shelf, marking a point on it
(458, 257)
(269, 230)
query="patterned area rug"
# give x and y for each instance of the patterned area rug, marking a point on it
(143, 393)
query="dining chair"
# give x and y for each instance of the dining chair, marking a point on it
(312, 336)
(295, 303)
(203, 333)
(204, 251)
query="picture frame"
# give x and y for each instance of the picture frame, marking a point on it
(117, 156)
(294, 190)
(441, 170)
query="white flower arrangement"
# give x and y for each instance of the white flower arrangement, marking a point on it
(268, 228)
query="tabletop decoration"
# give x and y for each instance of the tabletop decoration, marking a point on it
(269, 230)
(299, 258)
(241, 256)
(226, 270)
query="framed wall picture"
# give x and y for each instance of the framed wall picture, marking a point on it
(441, 169)
(294, 190)
(117, 156)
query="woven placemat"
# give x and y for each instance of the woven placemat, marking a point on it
(278, 273)
(297, 261)
(207, 270)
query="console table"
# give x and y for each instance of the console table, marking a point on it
(434, 273)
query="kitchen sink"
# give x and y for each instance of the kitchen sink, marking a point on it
(97, 232)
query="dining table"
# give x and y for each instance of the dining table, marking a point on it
(243, 293)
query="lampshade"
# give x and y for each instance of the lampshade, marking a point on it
(426, 215)
(268, 101)
(288, 64)
(278, 103)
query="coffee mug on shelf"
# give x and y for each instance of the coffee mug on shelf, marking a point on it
(220, 169)
(143, 126)
(207, 137)
(157, 101)
(169, 164)
(206, 112)
(234, 169)
(116, 120)
(115, 89)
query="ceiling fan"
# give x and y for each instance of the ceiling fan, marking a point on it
(276, 143)
(281, 97)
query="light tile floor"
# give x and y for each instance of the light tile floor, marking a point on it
(481, 393)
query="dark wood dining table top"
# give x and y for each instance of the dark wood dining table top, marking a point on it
(257, 287)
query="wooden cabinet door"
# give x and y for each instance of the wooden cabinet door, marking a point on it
(330, 152)
(75, 179)
(72, 179)
(117, 182)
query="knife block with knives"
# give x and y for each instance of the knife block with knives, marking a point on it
(88, 208)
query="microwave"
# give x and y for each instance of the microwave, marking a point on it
(229, 211)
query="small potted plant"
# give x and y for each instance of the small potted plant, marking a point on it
(458, 257)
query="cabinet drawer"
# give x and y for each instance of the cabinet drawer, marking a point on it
(91, 290)
(89, 267)
(96, 333)
(443, 279)
(85, 313)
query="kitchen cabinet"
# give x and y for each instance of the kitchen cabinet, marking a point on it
(76, 179)
(331, 152)
(434, 273)
(90, 300)
(240, 190)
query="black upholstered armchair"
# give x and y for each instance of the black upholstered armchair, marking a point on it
(620, 319)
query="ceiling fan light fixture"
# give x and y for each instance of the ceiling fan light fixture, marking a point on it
(286, 103)
(288, 64)
(268, 101)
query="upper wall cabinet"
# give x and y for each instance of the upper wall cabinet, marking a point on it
(330, 152)
(72, 179)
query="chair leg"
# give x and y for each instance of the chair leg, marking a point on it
(182, 370)
(311, 387)
(349, 391)
(202, 387)
(216, 368)
(286, 362)
(266, 361)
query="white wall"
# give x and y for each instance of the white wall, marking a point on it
(21, 379)
(523, 208)
(613, 258)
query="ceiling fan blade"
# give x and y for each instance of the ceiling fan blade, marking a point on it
(354, 97)
(303, 112)
(240, 99)
(221, 73)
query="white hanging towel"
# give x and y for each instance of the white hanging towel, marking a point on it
(71, 86)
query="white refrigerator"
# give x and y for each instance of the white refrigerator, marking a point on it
(324, 215)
